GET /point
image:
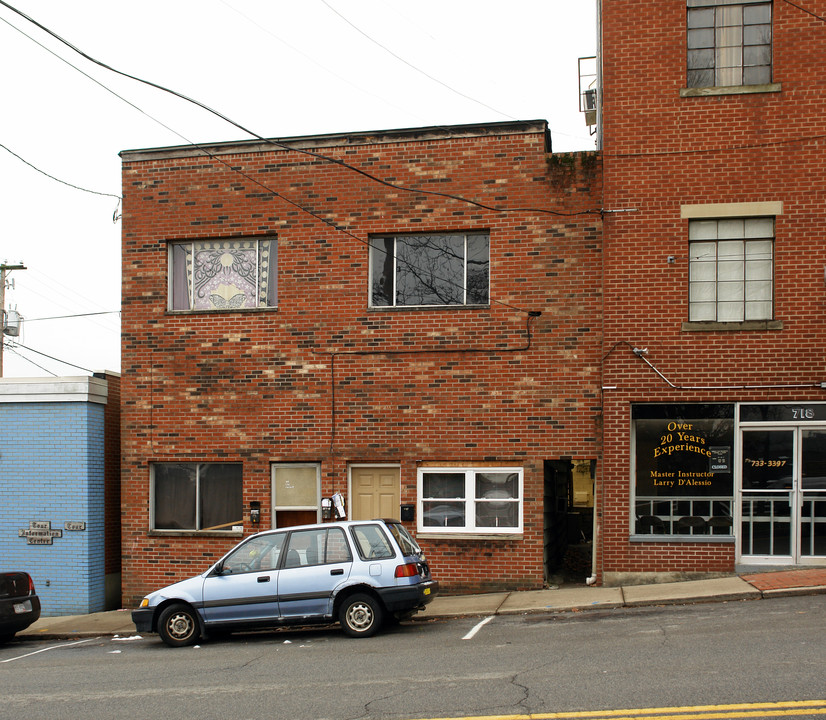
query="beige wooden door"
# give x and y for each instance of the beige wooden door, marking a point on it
(375, 493)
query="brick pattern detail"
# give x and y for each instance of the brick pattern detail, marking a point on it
(457, 385)
(661, 151)
(53, 471)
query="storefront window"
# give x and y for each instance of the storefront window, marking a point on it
(683, 471)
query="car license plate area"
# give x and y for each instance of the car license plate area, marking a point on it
(23, 607)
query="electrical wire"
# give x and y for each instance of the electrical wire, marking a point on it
(12, 348)
(233, 168)
(310, 58)
(65, 317)
(52, 177)
(286, 146)
(410, 65)
(642, 352)
(51, 357)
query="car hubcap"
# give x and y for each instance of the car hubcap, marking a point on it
(360, 616)
(180, 626)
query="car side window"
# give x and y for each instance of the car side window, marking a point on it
(258, 553)
(337, 549)
(316, 547)
(372, 543)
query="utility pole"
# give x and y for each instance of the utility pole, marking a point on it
(4, 268)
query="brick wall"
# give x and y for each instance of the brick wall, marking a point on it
(52, 472)
(661, 151)
(458, 385)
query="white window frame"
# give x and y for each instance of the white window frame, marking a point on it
(742, 265)
(739, 210)
(375, 251)
(469, 501)
(276, 508)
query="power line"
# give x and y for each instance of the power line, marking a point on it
(78, 315)
(315, 62)
(37, 352)
(332, 224)
(52, 177)
(288, 147)
(410, 65)
(13, 349)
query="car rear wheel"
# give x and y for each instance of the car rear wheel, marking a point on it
(360, 616)
(178, 626)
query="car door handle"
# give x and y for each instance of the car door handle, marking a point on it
(337, 571)
(264, 578)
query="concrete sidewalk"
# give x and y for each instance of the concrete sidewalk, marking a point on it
(118, 623)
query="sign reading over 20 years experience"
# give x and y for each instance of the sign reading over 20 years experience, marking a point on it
(683, 449)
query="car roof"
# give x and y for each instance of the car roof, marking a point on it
(336, 523)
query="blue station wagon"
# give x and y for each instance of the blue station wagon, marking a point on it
(359, 573)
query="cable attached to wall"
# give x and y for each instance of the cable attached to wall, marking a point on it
(333, 354)
(642, 352)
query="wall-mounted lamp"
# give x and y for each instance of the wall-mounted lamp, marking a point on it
(255, 512)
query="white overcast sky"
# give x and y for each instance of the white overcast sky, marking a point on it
(279, 67)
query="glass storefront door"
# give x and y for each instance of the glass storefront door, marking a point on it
(782, 502)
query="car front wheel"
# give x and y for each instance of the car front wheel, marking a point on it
(178, 626)
(360, 616)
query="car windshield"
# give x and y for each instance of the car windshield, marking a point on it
(407, 544)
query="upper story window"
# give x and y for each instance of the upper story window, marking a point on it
(222, 274)
(731, 269)
(729, 43)
(420, 270)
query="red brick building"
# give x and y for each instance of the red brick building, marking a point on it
(408, 318)
(712, 129)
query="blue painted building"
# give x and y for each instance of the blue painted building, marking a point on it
(59, 489)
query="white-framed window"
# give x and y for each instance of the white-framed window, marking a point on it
(731, 269)
(296, 491)
(429, 270)
(470, 500)
(201, 497)
(223, 275)
(729, 43)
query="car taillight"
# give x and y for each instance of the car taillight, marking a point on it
(31, 585)
(408, 570)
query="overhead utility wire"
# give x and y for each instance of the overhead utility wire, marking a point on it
(52, 177)
(37, 352)
(310, 58)
(410, 65)
(288, 147)
(202, 149)
(13, 349)
(230, 167)
(65, 317)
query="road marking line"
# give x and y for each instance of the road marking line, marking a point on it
(478, 627)
(688, 712)
(53, 647)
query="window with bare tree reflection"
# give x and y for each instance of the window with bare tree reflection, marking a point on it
(420, 270)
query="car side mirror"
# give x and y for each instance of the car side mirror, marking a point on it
(218, 569)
